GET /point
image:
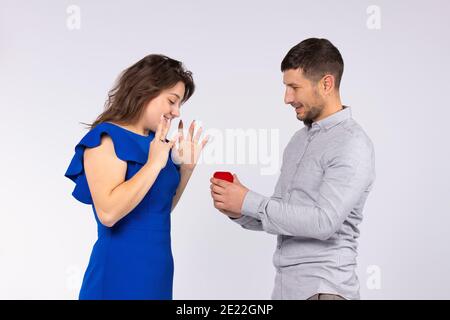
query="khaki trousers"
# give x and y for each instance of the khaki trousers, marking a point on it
(325, 296)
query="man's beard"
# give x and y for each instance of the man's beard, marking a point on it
(311, 114)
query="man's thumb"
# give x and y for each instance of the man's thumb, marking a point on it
(236, 180)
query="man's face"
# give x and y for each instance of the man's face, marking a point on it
(303, 95)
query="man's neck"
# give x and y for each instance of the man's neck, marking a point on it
(331, 107)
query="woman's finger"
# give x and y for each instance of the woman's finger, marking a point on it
(204, 142)
(197, 135)
(173, 141)
(166, 128)
(180, 130)
(159, 128)
(191, 131)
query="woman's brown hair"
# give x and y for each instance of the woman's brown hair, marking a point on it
(139, 84)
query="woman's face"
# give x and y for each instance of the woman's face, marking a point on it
(168, 104)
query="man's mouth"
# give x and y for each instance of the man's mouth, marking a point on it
(167, 118)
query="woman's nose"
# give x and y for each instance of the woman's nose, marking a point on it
(176, 112)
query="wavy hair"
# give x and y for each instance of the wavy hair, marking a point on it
(141, 83)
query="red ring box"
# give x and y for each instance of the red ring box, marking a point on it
(224, 175)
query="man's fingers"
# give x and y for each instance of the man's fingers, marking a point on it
(217, 189)
(236, 180)
(219, 205)
(217, 197)
(220, 182)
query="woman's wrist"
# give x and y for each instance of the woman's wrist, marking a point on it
(152, 167)
(186, 170)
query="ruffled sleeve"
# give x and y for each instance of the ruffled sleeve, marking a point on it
(126, 148)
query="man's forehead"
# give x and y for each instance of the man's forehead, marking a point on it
(292, 76)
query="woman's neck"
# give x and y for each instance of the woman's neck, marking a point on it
(136, 128)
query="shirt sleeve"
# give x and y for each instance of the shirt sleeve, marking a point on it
(349, 173)
(254, 222)
(249, 223)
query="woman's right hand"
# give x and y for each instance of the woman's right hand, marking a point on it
(159, 148)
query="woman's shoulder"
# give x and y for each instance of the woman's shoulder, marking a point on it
(125, 146)
(93, 137)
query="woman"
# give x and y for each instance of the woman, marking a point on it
(133, 177)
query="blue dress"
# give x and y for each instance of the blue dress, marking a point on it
(133, 259)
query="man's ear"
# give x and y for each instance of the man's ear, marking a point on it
(327, 84)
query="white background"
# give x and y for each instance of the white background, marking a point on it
(395, 79)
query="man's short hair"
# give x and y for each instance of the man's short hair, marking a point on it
(316, 58)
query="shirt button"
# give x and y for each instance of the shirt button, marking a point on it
(279, 246)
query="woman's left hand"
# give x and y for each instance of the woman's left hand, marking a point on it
(189, 148)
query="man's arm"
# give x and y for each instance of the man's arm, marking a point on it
(253, 223)
(347, 176)
(249, 223)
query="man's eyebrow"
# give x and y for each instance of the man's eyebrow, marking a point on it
(175, 95)
(291, 84)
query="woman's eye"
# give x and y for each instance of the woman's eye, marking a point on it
(171, 102)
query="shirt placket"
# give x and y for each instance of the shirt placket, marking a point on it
(310, 136)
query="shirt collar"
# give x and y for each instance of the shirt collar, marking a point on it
(334, 118)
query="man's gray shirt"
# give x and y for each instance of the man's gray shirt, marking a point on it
(326, 175)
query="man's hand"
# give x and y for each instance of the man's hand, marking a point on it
(228, 197)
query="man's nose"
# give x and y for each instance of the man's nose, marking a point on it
(288, 97)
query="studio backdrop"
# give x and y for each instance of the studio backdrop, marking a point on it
(58, 59)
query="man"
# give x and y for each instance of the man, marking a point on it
(326, 176)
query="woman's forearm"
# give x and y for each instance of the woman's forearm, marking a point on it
(126, 196)
(184, 179)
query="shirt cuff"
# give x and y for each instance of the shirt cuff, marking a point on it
(242, 220)
(252, 203)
